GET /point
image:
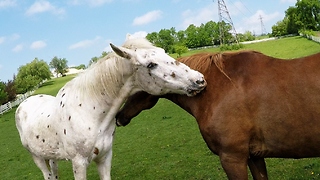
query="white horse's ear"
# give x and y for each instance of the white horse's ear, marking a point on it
(125, 53)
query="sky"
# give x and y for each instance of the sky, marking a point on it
(81, 29)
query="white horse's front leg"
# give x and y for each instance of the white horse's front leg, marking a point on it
(104, 166)
(43, 166)
(79, 165)
(54, 168)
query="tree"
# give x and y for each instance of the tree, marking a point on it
(166, 40)
(60, 65)
(31, 75)
(3, 94)
(153, 38)
(95, 59)
(192, 39)
(308, 12)
(81, 66)
(11, 90)
(293, 22)
(304, 16)
(280, 28)
(247, 36)
(179, 49)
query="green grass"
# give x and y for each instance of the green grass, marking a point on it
(288, 48)
(52, 86)
(162, 143)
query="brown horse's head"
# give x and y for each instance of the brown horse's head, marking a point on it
(134, 105)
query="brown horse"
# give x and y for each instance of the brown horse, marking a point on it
(253, 107)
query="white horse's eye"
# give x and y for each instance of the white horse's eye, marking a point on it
(152, 65)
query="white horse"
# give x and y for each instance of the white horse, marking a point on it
(78, 124)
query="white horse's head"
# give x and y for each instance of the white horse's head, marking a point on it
(156, 72)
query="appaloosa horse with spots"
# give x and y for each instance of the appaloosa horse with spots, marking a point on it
(254, 107)
(78, 124)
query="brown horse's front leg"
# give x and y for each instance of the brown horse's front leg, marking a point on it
(234, 166)
(258, 168)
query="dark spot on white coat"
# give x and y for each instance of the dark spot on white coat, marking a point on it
(96, 151)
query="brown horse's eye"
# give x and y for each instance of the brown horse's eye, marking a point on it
(152, 65)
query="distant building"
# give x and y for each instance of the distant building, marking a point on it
(69, 71)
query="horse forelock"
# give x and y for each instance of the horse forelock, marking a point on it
(134, 43)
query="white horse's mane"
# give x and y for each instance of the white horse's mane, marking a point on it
(105, 77)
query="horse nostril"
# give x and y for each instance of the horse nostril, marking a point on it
(200, 81)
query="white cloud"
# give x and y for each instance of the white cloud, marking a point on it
(92, 3)
(42, 6)
(253, 23)
(38, 45)
(85, 43)
(18, 48)
(7, 3)
(288, 1)
(197, 17)
(2, 39)
(147, 18)
(139, 34)
(98, 2)
(14, 37)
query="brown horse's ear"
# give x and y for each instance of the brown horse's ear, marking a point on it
(123, 52)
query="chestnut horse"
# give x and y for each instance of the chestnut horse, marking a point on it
(253, 107)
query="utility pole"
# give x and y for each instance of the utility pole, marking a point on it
(263, 29)
(225, 16)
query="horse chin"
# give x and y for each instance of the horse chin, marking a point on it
(192, 92)
(118, 123)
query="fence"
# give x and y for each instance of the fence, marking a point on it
(314, 38)
(6, 107)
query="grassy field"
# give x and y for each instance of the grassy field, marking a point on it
(162, 143)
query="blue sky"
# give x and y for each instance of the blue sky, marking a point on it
(81, 29)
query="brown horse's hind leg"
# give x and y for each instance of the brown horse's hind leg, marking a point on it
(258, 168)
(234, 166)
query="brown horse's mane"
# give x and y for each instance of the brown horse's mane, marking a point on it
(203, 61)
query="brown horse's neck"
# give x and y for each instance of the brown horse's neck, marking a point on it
(189, 104)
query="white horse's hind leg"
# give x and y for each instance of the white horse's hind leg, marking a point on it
(43, 166)
(54, 168)
(79, 165)
(104, 166)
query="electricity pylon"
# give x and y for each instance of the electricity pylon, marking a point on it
(263, 29)
(225, 16)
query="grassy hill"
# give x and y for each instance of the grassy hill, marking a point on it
(162, 143)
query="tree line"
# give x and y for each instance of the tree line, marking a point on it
(207, 34)
(30, 76)
(304, 17)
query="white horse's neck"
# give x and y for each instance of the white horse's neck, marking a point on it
(106, 83)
